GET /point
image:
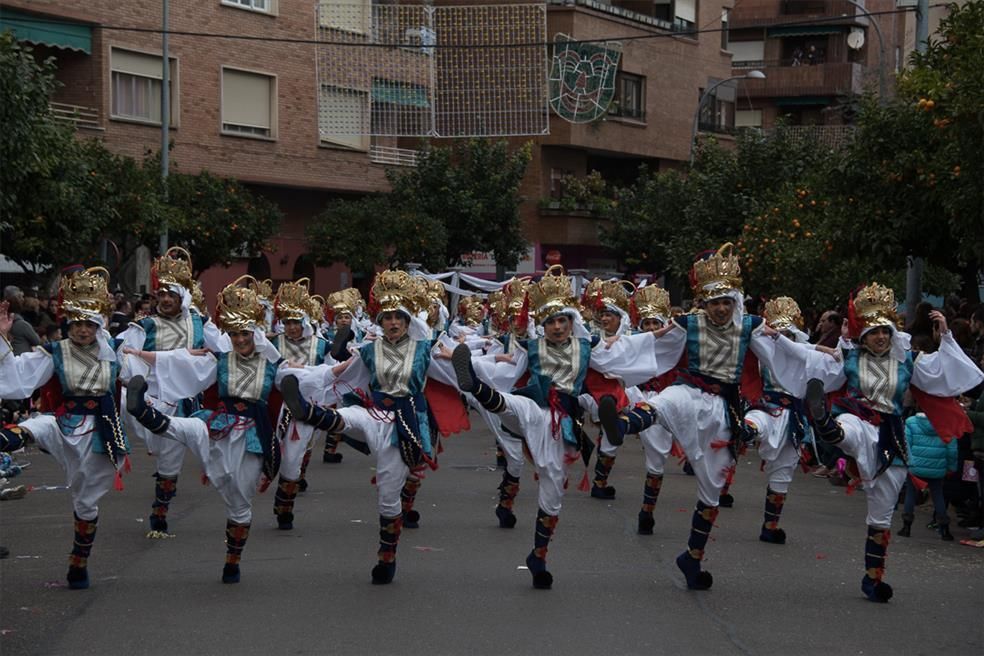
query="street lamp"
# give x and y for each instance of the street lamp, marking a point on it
(750, 75)
(881, 50)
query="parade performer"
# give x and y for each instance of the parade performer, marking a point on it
(78, 374)
(545, 412)
(399, 420)
(234, 441)
(865, 419)
(178, 324)
(468, 327)
(702, 409)
(300, 345)
(438, 316)
(341, 308)
(778, 419)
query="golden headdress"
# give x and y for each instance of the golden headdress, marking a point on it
(343, 302)
(471, 309)
(551, 293)
(514, 296)
(169, 270)
(263, 289)
(84, 295)
(293, 301)
(316, 307)
(609, 294)
(716, 275)
(783, 313)
(436, 292)
(394, 291)
(238, 308)
(651, 302)
(871, 307)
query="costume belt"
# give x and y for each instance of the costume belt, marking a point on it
(891, 428)
(409, 436)
(730, 394)
(254, 414)
(774, 402)
(108, 425)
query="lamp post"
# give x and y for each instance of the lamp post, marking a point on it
(881, 50)
(750, 75)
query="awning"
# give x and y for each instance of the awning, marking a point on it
(783, 32)
(399, 93)
(47, 31)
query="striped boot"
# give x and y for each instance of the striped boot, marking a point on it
(136, 405)
(331, 446)
(323, 418)
(490, 399)
(12, 438)
(85, 535)
(236, 536)
(411, 518)
(508, 489)
(773, 509)
(875, 551)
(689, 560)
(389, 537)
(164, 490)
(537, 560)
(619, 424)
(650, 493)
(283, 503)
(600, 489)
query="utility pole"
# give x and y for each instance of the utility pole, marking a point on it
(165, 115)
(914, 265)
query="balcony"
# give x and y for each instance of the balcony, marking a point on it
(392, 156)
(783, 80)
(76, 115)
(758, 13)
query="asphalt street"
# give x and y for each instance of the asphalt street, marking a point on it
(461, 587)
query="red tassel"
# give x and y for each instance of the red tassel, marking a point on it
(677, 451)
(854, 326)
(717, 445)
(126, 465)
(851, 486)
(584, 485)
(204, 479)
(118, 481)
(264, 484)
(761, 465)
(523, 322)
(918, 482)
(330, 315)
(373, 481)
(633, 312)
(294, 435)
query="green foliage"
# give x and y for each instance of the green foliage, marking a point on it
(217, 219)
(455, 201)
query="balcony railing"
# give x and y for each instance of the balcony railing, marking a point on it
(78, 116)
(826, 79)
(831, 136)
(756, 13)
(393, 156)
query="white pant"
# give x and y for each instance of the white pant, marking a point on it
(696, 419)
(89, 475)
(232, 470)
(512, 447)
(550, 453)
(882, 493)
(391, 471)
(170, 454)
(657, 442)
(775, 447)
(293, 446)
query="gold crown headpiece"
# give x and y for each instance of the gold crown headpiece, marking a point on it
(651, 302)
(436, 292)
(169, 270)
(551, 293)
(84, 295)
(293, 301)
(611, 293)
(263, 289)
(873, 306)
(471, 309)
(514, 295)
(393, 291)
(716, 275)
(343, 302)
(782, 313)
(238, 308)
(316, 307)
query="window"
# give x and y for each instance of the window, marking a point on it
(717, 112)
(748, 118)
(136, 87)
(346, 15)
(630, 96)
(265, 6)
(685, 14)
(249, 103)
(343, 117)
(724, 29)
(747, 53)
(557, 182)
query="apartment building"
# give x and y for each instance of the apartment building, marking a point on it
(817, 55)
(249, 109)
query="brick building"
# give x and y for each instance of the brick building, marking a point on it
(248, 108)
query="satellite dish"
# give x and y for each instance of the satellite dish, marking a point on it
(855, 40)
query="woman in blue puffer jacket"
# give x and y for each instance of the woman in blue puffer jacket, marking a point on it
(930, 458)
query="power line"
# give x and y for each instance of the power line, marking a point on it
(370, 44)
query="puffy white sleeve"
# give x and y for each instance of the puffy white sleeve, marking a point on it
(947, 372)
(502, 376)
(134, 336)
(214, 338)
(793, 364)
(181, 375)
(21, 374)
(637, 358)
